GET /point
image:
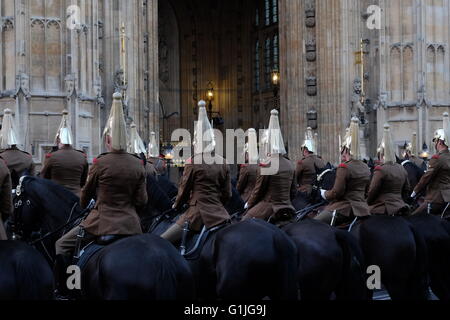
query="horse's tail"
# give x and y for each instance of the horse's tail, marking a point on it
(419, 285)
(352, 285)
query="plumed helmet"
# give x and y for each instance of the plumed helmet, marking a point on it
(64, 133)
(8, 136)
(116, 127)
(136, 145)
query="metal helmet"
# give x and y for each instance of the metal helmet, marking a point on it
(64, 134)
(153, 148)
(251, 147)
(204, 140)
(412, 146)
(8, 135)
(386, 148)
(275, 137)
(310, 142)
(444, 133)
(351, 140)
(136, 145)
(116, 127)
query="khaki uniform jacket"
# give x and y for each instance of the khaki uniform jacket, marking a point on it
(206, 189)
(117, 180)
(307, 173)
(67, 167)
(436, 180)
(389, 185)
(247, 180)
(349, 192)
(273, 194)
(5, 196)
(19, 163)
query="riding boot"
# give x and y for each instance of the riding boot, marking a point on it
(62, 262)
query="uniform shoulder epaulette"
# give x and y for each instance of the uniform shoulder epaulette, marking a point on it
(49, 155)
(82, 152)
(264, 165)
(189, 161)
(378, 168)
(343, 165)
(244, 165)
(436, 157)
(95, 161)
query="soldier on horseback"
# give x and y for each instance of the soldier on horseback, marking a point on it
(308, 167)
(347, 198)
(272, 195)
(19, 163)
(249, 170)
(154, 158)
(67, 167)
(205, 185)
(436, 180)
(117, 182)
(137, 147)
(390, 184)
(411, 153)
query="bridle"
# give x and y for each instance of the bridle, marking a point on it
(18, 223)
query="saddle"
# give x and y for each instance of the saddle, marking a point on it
(195, 242)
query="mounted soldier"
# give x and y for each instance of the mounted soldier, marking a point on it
(5, 197)
(411, 153)
(19, 163)
(390, 184)
(249, 170)
(154, 156)
(117, 182)
(347, 198)
(205, 185)
(66, 166)
(436, 180)
(308, 167)
(273, 193)
(136, 146)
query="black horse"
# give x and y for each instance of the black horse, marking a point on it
(436, 233)
(394, 245)
(249, 260)
(25, 275)
(414, 172)
(138, 267)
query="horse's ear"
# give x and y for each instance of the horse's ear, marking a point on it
(329, 166)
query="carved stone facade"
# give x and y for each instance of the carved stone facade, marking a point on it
(51, 60)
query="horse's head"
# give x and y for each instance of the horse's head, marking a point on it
(40, 205)
(326, 179)
(27, 216)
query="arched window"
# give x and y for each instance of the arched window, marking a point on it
(267, 11)
(257, 68)
(267, 61)
(274, 11)
(276, 53)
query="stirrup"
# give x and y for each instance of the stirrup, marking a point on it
(184, 238)
(80, 238)
(445, 210)
(333, 220)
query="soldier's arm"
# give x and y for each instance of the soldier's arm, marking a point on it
(226, 187)
(140, 196)
(6, 196)
(406, 191)
(243, 180)
(299, 172)
(294, 186)
(46, 172)
(184, 191)
(84, 175)
(340, 184)
(375, 185)
(258, 192)
(429, 175)
(89, 190)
